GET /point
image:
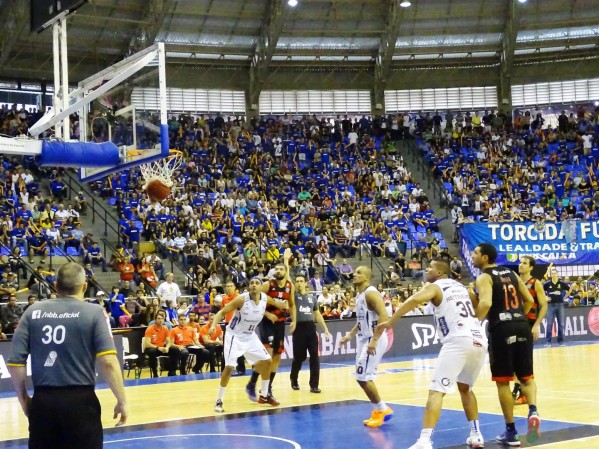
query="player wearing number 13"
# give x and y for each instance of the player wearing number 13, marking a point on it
(499, 298)
(65, 337)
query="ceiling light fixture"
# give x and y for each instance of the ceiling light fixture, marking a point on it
(292, 3)
(522, 1)
(405, 4)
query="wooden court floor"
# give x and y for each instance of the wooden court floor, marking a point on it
(567, 383)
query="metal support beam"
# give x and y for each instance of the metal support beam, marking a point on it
(384, 57)
(504, 91)
(14, 22)
(155, 13)
(265, 47)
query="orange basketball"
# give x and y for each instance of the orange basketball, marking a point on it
(157, 191)
(593, 320)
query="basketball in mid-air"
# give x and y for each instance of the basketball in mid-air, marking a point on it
(157, 191)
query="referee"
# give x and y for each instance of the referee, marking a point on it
(65, 337)
(304, 336)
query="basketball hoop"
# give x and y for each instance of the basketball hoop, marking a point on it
(158, 175)
(162, 170)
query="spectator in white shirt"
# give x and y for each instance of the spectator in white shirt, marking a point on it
(168, 290)
(325, 298)
(214, 279)
(537, 209)
(61, 214)
(353, 137)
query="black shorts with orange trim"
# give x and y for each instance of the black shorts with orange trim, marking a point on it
(510, 351)
(272, 335)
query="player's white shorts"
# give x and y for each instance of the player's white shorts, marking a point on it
(366, 365)
(248, 346)
(460, 360)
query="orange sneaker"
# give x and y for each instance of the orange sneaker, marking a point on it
(521, 400)
(379, 417)
(371, 417)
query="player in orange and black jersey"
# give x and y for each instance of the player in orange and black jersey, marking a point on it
(504, 300)
(536, 313)
(272, 334)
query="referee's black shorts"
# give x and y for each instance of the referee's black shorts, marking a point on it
(510, 351)
(65, 418)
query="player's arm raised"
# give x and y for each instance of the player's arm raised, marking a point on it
(484, 284)
(286, 258)
(292, 310)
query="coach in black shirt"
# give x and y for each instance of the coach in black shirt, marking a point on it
(555, 290)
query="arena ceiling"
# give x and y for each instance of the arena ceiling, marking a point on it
(264, 40)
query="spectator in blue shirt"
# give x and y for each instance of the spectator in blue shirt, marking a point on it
(38, 246)
(58, 188)
(94, 256)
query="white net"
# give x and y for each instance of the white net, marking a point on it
(162, 170)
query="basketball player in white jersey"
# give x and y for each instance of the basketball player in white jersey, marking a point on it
(462, 355)
(370, 308)
(242, 340)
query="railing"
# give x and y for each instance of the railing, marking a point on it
(93, 282)
(374, 261)
(97, 207)
(433, 185)
(165, 252)
(337, 274)
(31, 271)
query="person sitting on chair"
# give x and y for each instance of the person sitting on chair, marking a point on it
(94, 256)
(182, 341)
(156, 341)
(214, 342)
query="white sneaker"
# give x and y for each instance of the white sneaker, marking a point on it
(475, 440)
(422, 444)
(218, 406)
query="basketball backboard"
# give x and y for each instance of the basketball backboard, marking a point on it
(141, 130)
(113, 134)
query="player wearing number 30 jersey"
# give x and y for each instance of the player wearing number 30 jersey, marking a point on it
(463, 352)
(505, 300)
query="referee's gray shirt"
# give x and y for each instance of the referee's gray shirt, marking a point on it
(305, 306)
(64, 336)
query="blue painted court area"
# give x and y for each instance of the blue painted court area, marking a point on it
(328, 425)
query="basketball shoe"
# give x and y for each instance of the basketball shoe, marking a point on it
(270, 399)
(475, 440)
(521, 400)
(378, 417)
(250, 389)
(218, 406)
(422, 444)
(508, 438)
(534, 427)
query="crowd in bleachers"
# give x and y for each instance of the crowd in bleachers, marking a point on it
(520, 171)
(325, 189)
